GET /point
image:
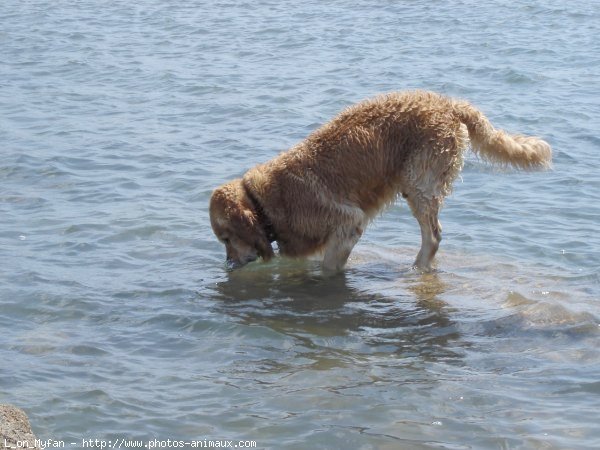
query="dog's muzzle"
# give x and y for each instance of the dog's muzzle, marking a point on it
(233, 264)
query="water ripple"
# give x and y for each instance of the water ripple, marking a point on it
(118, 122)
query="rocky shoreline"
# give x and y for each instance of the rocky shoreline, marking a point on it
(15, 429)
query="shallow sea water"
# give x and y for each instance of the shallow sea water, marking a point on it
(117, 316)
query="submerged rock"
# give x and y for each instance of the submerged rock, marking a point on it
(15, 430)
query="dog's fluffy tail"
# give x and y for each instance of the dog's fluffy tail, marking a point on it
(497, 146)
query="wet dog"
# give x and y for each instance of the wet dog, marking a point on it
(318, 197)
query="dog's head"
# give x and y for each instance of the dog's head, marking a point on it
(235, 222)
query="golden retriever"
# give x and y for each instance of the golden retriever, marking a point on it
(318, 197)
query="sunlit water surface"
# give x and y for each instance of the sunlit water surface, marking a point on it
(118, 319)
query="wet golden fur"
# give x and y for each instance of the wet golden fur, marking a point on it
(319, 196)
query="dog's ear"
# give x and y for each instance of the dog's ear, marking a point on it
(259, 235)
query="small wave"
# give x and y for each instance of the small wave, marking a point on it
(551, 314)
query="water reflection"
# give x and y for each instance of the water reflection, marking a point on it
(400, 313)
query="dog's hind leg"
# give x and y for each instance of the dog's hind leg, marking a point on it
(426, 212)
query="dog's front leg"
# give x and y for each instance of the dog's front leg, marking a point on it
(339, 246)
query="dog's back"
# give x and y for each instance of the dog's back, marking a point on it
(366, 154)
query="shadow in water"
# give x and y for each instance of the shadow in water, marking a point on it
(400, 313)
